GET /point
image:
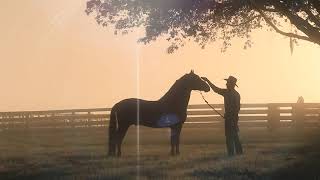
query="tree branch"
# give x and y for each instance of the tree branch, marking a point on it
(312, 17)
(306, 38)
(316, 5)
(303, 25)
(245, 22)
(268, 9)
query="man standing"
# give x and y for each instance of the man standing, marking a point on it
(232, 108)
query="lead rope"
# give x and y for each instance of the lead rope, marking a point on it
(210, 105)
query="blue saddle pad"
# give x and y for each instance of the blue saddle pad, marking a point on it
(168, 120)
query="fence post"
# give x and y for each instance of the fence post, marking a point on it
(1, 123)
(26, 121)
(273, 116)
(72, 119)
(53, 119)
(298, 115)
(89, 119)
(5, 121)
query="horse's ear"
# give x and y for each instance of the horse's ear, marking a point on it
(191, 72)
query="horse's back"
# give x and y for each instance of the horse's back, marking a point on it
(134, 103)
(148, 112)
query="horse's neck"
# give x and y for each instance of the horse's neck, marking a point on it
(177, 98)
(185, 101)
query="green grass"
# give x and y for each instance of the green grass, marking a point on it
(81, 154)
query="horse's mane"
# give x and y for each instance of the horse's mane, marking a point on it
(174, 88)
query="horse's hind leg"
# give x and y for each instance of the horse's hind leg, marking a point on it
(113, 128)
(121, 133)
(112, 145)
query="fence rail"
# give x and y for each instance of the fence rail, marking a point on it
(272, 116)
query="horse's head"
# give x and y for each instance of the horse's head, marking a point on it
(194, 82)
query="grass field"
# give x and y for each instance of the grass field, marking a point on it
(81, 154)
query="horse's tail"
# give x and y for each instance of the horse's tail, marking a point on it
(113, 127)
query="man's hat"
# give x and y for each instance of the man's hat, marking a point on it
(232, 80)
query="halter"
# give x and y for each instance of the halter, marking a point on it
(210, 105)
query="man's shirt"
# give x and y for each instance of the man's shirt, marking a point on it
(231, 102)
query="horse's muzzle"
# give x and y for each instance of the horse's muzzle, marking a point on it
(207, 89)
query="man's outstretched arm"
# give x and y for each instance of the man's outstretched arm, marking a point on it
(213, 87)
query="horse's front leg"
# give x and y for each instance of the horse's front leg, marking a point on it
(179, 127)
(175, 138)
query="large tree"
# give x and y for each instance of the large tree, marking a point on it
(208, 20)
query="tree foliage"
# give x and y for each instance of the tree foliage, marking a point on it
(205, 21)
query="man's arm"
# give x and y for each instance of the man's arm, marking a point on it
(213, 87)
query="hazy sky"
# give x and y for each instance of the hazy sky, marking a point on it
(54, 56)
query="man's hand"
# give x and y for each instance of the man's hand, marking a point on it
(213, 87)
(205, 79)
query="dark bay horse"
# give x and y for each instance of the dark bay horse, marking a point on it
(169, 111)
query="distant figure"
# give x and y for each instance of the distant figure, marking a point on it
(298, 112)
(300, 99)
(232, 108)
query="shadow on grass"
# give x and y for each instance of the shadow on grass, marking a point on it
(225, 173)
(307, 167)
(57, 173)
(26, 174)
(304, 163)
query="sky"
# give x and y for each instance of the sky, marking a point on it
(54, 56)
